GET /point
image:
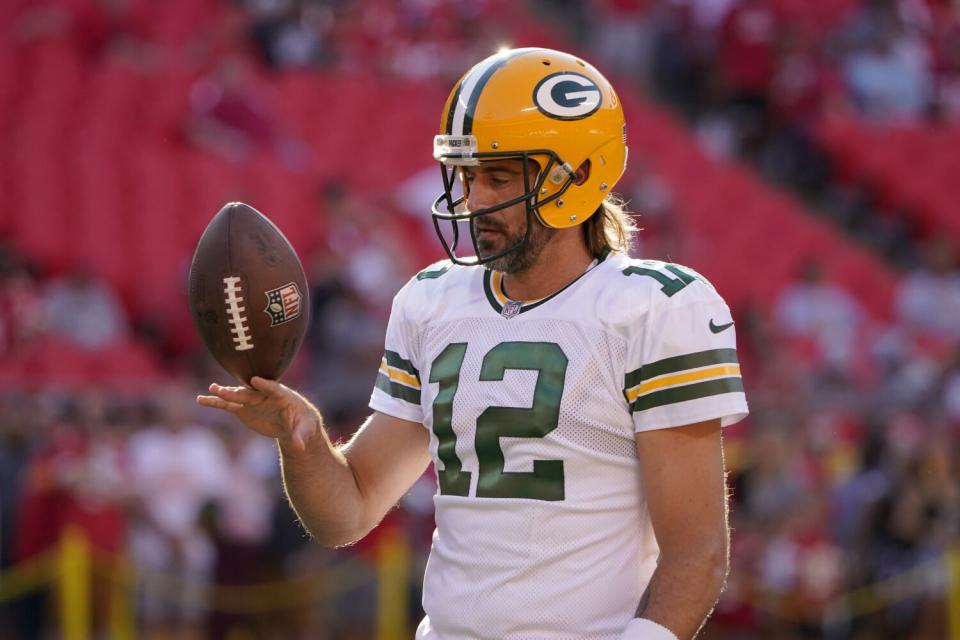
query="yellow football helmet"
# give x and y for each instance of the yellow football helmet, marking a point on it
(531, 104)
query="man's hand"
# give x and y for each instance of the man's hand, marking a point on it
(269, 408)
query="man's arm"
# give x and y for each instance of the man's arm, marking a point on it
(683, 480)
(340, 493)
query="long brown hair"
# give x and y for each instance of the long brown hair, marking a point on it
(611, 228)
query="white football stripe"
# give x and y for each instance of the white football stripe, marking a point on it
(235, 317)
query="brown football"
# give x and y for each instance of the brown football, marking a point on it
(248, 294)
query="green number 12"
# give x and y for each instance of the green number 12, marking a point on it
(546, 481)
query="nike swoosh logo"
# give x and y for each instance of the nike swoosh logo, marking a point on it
(718, 328)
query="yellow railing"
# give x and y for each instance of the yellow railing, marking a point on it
(69, 568)
(74, 573)
(953, 592)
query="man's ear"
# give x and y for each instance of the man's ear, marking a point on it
(583, 172)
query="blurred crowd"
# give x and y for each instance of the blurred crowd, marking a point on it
(186, 497)
(757, 79)
(847, 472)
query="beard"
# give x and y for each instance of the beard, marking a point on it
(521, 258)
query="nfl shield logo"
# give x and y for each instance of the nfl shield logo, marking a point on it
(511, 309)
(283, 304)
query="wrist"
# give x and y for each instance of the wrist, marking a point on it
(304, 440)
(646, 629)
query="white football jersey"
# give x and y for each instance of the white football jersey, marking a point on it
(542, 526)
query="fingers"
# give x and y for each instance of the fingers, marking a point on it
(270, 387)
(219, 403)
(242, 395)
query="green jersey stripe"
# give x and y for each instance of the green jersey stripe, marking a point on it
(394, 360)
(676, 364)
(397, 390)
(433, 274)
(687, 392)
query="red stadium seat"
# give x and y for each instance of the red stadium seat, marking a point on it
(911, 169)
(128, 365)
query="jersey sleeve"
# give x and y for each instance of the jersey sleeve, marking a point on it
(397, 390)
(683, 366)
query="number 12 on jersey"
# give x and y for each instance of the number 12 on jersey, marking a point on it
(546, 481)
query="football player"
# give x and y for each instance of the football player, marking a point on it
(570, 398)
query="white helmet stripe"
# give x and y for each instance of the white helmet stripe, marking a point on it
(472, 85)
(467, 88)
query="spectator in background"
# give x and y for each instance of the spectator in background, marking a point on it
(824, 313)
(928, 299)
(37, 523)
(747, 49)
(680, 71)
(365, 238)
(231, 117)
(889, 74)
(950, 392)
(367, 245)
(623, 37)
(115, 29)
(75, 479)
(95, 480)
(905, 531)
(85, 310)
(178, 468)
(22, 312)
(774, 479)
(746, 61)
(801, 567)
(947, 55)
(239, 524)
(857, 495)
(291, 34)
(652, 198)
(23, 428)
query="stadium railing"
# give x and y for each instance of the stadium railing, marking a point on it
(67, 570)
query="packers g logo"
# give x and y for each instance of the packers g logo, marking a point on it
(566, 96)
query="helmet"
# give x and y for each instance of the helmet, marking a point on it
(531, 104)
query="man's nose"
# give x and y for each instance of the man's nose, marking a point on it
(476, 200)
(479, 197)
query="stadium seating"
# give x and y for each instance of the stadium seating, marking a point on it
(98, 170)
(749, 237)
(911, 169)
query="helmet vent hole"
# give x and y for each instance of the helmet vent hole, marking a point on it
(581, 63)
(546, 63)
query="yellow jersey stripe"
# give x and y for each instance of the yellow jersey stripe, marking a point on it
(397, 375)
(498, 288)
(501, 296)
(726, 370)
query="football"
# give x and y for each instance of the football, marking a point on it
(248, 294)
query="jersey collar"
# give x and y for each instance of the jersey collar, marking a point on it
(493, 289)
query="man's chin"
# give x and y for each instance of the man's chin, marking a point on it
(487, 249)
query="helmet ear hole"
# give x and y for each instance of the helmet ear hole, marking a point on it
(583, 173)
